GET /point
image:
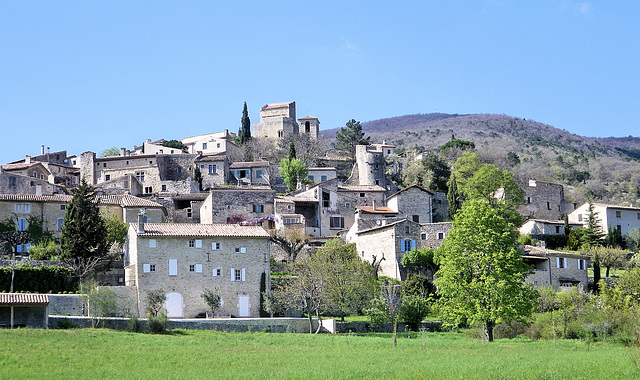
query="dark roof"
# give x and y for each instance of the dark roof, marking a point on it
(252, 164)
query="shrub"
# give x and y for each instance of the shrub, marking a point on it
(158, 324)
(378, 312)
(133, 325)
(413, 310)
(508, 330)
(66, 324)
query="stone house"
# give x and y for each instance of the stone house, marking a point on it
(59, 165)
(225, 203)
(185, 259)
(214, 168)
(182, 208)
(309, 125)
(544, 200)
(249, 173)
(12, 183)
(364, 195)
(369, 217)
(386, 243)
(321, 174)
(36, 170)
(369, 167)
(561, 270)
(439, 207)
(536, 228)
(432, 235)
(622, 218)
(212, 143)
(414, 202)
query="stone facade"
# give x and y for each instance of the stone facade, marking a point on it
(247, 202)
(249, 173)
(414, 202)
(388, 243)
(211, 143)
(317, 175)
(186, 259)
(439, 207)
(214, 169)
(561, 270)
(364, 195)
(11, 183)
(432, 235)
(609, 217)
(537, 228)
(309, 125)
(277, 120)
(544, 200)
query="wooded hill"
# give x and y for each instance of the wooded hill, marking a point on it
(601, 169)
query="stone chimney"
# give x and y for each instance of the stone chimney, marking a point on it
(141, 216)
(48, 150)
(27, 159)
(123, 152)
(42, 150)
(374, 205)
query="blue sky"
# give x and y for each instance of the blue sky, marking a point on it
(88, 75)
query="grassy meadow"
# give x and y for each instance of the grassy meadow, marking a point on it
(102, 353)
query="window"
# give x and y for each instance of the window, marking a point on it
(406, 229)
(619, 228)
(104, 165)
(311, 178)
(148, 268)
(107, 177)
(323, 178)
(258, 173)
(336, 222)
(215, 246)
(179, 169)
(173, 267)
(140, 176)
(243, 174)
(192, 243)
(407, 244)
(548, 206)
(528, 200)
(416, 218)
(195, 268)
(238, 274)
(241, 249)
(362, 195)
(440, 235)
(217, 272)
(152, 268)
(23, 207)
(12, 181)
(152, 243)
(618, 214)
(22, 224)
(582, 264)
(212, 169)
(639, 215)
(258, 208)
(63, 207)
(579, 217)
(290, 221)
(148, 189)
(189, 212)
(60, 224)
(326, 198)
(423, 236)
(204, 146)
(557, 229)
(561, 262)
(164, 187)
(218, 145)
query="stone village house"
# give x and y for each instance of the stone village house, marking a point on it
(184, 259)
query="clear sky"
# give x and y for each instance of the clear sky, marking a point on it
(89, 75)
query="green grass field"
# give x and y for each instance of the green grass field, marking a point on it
(101, 353)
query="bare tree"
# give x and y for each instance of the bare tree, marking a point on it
(292, 241)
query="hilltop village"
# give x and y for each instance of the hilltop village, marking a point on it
(206, 212)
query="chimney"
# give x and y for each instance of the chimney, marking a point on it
(141, 216)
(27, 159)
(123, 152)
(42, 150)
(48, 150)
(374, 205)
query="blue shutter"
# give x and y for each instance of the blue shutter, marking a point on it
(413, 244)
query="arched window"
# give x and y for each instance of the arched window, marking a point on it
(307, 127)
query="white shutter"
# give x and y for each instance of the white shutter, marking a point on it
(198, 268)
(233, 274)
(152, 243)
(243, 249)
(173, 267)
(146, 268)
(198, 243)
(243, 275)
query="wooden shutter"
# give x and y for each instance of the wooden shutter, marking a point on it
(243, 275)
(233, 274)
(198, 268)
(173, 267)
(198, 243)
(146, 268)
(413, 244)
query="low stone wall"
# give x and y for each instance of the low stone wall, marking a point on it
(365, 327)
(276, 325)
(65, 304)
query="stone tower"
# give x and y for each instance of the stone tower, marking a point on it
(309, 125)
(277, 120)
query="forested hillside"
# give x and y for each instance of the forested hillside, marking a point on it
(602, 169)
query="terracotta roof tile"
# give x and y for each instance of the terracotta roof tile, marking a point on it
(203, 230)
(375, 188)
(126, 200)
(377, 210)
(23, 299)
(252, 164)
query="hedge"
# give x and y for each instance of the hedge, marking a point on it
(40, 279)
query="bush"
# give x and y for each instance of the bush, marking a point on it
(41, 279)
(133, 325)
(158, 324)
(509, 330)
(66, 324)
(378, 312)
(413, 310)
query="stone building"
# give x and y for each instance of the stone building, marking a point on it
(211, 143)
(364, 195)
(214, 169)
(60, 167)
(432, 235)
(182, 208)
(386, 244)
(370, 165)
(537, 228)
(24, 310)
(544, 200)
(414, 202)
(309, 125)
(439, 207)
(559, 269)
(229, 204)
(12, 183)
(185, 259)
(622, 218)
(277, 120)
(316, 175)
(249, 173)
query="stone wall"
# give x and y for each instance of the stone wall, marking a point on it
(32, 316)
(222, 203)
(432, 235)
(440, 207)
(20, 184)
(362, 327)
(65, 304)
(414, 203)
(544, 200)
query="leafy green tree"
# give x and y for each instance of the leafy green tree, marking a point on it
(633, 239)
(155, 300)
(83, 237)
(245, 126)
(116, 229)
(614, 238)
(294, 172)
(439, 170)
(413, 310)
(418, 285)
(44, 250)
(608, 257)
(421, 258)
(212, 299)
(464, 168)
(513, 159)
(292, 241)
(499, 189)
(482, 274)
(113, 151)
(176, 145)
(348, 138)
(292, 150)
(455, 143)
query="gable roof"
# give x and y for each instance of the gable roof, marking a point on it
(275, 105)
(410, 187)
(126, 200)
(372, 188)
(377, 210)
(386, 225)
(200, 230)
(23, 299)
(530, 250)
(251, 164)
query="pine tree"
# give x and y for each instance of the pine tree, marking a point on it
(245, 128)
(347, 139)
(83, 238)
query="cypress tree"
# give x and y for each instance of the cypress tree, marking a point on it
(292, 150)
(453, 196)
(245, 127)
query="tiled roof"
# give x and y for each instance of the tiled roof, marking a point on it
(241, 188)
(386, 225)
(22, 166)
(308, 117)
(361, 188)
(190, 197)
(377, 210)
(201, 230)
(409, 187)
(126, 200)
(531, 250)
(552, 222)
(23, 299)
(35, 198)
(212, 157)
(252, 164)
(616, 206)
